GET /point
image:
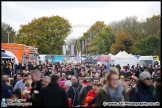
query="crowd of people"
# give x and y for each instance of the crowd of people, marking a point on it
(80, 85)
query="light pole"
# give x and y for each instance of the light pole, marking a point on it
(8, 32)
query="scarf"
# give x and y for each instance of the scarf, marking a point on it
(117, 95)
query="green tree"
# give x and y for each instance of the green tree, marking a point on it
(130, 25)
(148, 46)
(45, 33)
(106, 38)
(4, 35)
(123, 42)
(91, 36)
(152, 25)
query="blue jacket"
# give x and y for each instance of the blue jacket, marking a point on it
(143, 94)
(4, 90)
(92, 101)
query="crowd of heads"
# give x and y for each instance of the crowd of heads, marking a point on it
(79, 75)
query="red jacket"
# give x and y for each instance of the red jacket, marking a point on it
(90, 95)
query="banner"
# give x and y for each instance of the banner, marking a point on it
(72, 50)
(76, 48)
(104, 58)
(64, 49)
(83, 45)
(79, 59)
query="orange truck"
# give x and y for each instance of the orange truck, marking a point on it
(21, 51)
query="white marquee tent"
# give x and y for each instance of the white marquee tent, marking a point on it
(123, 58)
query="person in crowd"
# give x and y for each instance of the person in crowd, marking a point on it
(18, 76)
(80, 83)
(72, 93)
(112, 91)
(46, 72)
(84, 73)
(63, 76)
(9, 85)
(45, 81)
(14, 67)
(91, 94)
(78, 71)
(15, 95)
(36, 88)
(144, 90)
(91, 101)
(85, 90)
(70, 71)
(4, 87)
(7, 70)
(20, 84)
(157, 86)
(74, 82)
(53, 95)
(96, 80)
(30, 66)
(40, 68)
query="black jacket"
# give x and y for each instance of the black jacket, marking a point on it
(53, 96)
(7, 71)
(4, 90)
(38, 87)
(143, 94)
(70, 72)
(73, 94)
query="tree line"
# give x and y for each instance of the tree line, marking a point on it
(130, 35)
(48, 34)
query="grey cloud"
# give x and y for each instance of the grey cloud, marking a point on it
(51, 5)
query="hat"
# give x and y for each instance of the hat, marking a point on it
(85, 78)
(90, 79)
(68, 83)
(158, 79)
(144, 75)
(121, 77)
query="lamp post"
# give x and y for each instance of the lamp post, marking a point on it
(8, 32)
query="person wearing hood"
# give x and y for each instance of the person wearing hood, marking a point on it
(113, 91)
(144, 90)
(71, 93)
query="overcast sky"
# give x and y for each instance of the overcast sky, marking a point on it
(80, 14)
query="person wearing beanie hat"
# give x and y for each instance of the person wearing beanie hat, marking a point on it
(144, 90)
(145, 75)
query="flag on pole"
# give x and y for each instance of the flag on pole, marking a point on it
(64, 49)
(83, 45)
(72, 50)
(79, 59)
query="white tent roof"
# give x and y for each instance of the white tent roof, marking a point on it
(123, 55)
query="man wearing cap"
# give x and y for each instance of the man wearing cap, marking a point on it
(157, 86)
(85, 90)
(144, 90)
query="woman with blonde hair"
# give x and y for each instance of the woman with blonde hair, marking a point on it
(113, 91)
